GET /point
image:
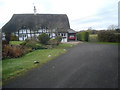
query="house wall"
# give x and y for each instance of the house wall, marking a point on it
(3, 36)
(26, 33)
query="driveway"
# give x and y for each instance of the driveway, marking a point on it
(85, 66)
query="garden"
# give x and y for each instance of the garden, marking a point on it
(21, 56)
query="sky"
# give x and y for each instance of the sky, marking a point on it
(82, 14)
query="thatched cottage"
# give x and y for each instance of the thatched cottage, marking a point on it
(29, 25)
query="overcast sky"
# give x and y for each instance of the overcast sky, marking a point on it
(82, 14)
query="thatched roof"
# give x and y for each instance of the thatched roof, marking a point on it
(34, 22)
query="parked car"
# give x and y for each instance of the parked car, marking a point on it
(71, 37)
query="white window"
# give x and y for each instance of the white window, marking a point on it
(32, 31)
(32, 35)
(28, 31)
(28, 35)
(3, 34)
(20, 38)
(20, 31)
(24, 31)
(40, 30)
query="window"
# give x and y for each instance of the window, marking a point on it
(20, 31)
(28, 31)
(24, 31)
(64, 34)
(61, 34)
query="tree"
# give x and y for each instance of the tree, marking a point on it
(112, 27)
(90, 28)
(118, 30)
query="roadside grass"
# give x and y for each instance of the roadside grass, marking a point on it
(15, 42)
(16, 66)
(107, 42)
(64, 46)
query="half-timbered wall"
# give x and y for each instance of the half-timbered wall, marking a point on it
(27, 33)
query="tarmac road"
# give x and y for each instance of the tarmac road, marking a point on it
(85, 66)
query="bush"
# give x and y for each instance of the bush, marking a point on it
(86, 36)
(32, 44)
(4, 42)
(12, 51)
(107, 36)
(83, 36)
(58, 39)
(117, 36)
(93, 38)
(43, 38)
(7, 37)
(52, 42)
(79, 36)
(13, 38)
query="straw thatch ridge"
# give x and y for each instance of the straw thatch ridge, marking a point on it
(34, 22)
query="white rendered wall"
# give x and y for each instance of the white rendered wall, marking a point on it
(64, 39)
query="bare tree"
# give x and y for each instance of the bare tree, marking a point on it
(90, 28)
(112, 27)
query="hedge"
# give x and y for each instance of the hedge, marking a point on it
(108, 36)
(83, 36)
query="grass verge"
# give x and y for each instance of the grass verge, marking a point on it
(17, 66)
(108, 42)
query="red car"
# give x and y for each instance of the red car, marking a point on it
(71, 37)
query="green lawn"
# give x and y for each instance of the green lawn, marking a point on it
(17, 66)
(93, 38)
(16, 42)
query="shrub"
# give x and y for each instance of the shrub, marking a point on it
(93, 38)
(32, 44)
(58, 39)
(117, 36)
(12, 51)
(13, 38)
(106, 36)
(52, 42)
(7, 37)
(4, 42)
(86, 36)
(79, 36)
(118, 30)
(43, 38)
(83, 36)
